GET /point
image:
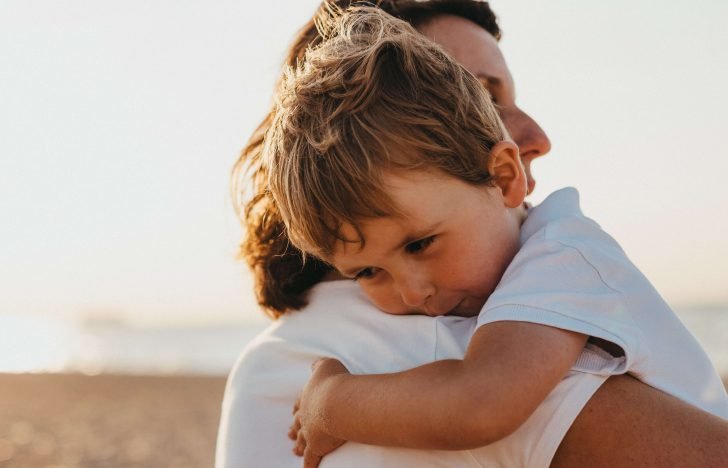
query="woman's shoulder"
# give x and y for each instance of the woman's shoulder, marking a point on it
(340, 322)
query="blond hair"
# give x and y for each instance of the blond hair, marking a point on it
(374, 96)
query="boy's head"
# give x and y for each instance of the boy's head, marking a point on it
(377, 114)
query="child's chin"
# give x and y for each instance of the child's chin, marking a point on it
(463, 313)
(468, 307)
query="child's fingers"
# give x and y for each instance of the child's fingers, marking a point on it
(300, 447)
(295, 427)
(310, 460)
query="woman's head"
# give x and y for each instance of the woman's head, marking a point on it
(478, 51)
(281, 276)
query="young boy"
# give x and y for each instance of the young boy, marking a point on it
(389, 161)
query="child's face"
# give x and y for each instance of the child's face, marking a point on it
(447, 254)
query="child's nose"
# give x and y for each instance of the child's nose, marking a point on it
(415, 292)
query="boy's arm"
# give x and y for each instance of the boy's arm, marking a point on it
(508, 370)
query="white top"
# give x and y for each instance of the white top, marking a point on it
(570, 274)
(340, 322)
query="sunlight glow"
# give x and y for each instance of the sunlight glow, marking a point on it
(34, 344)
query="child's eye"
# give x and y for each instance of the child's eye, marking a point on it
(419, 245)
(366, 273)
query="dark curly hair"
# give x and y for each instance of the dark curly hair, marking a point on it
(282, 277)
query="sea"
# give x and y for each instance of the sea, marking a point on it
(38, 344)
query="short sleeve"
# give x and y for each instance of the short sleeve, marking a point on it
(553, 283)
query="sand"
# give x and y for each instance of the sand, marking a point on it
(69, 421)
(52, 420)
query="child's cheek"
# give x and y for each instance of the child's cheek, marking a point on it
(385, 299)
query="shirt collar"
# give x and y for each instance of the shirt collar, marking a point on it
(560, 204)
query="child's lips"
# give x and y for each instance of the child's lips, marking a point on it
(460, 309)
(440, 311)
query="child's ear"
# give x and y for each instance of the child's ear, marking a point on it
(504, 164)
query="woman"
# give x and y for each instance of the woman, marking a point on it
(338, 322)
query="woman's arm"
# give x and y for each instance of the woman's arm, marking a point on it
(628, 423)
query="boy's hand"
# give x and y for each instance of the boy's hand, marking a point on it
(308, 429)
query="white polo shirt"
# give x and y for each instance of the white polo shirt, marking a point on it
(340, 322)
(570, 274)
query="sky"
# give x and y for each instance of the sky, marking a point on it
(120, 121)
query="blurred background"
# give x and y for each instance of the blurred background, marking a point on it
(120, 121)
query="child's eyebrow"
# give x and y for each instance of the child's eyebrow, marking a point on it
(408, 238)
(414, 236)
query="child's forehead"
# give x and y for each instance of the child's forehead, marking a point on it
(410, 204)
(416, 193)
(407, 186)
(417, 202)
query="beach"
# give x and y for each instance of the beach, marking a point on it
(69, 421)
(108, 421)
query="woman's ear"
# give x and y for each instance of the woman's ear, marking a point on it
(504, 164)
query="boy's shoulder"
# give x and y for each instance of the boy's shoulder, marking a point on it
(560, 220)
(561, 205)
(559, 241)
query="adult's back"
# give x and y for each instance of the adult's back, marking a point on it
(341, 323)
